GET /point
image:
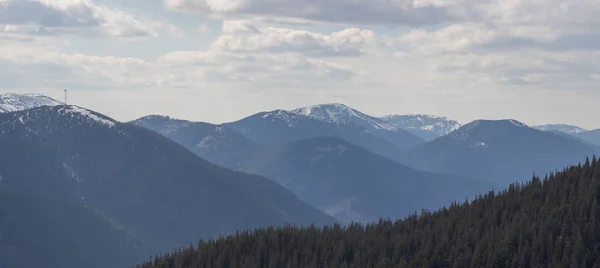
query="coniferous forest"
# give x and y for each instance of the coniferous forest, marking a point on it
(549, 222)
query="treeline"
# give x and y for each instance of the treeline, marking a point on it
(550, 222)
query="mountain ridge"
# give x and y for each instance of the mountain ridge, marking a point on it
(342, 114)
(428, 127)
(354, 184)
(547, 222)
(503, 151)
(569, 129)
(150, 185)
(11, 102)
(279, 127)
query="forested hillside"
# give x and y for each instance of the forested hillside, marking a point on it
(550, 222)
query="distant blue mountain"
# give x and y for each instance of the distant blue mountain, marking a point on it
(592, 136)
(503, 151)
(217, 144)
(280, 127)
(427, 127)
(342, 179)
(123, 191)
(354, 184)
(569, 129)
(342, 114)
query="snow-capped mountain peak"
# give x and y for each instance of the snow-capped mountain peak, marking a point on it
(425, 126)
(68, 112)
(342, 114)
(569, 129)
(11, 102)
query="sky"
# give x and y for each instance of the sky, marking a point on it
(536, 61)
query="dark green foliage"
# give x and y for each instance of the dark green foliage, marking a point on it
(552, 222)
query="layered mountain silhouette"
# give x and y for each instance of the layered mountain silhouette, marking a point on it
(592, 136)
(503, 151)
(281, 127)
(217, 144)
(340, 178)
(342, 114)
(569, 129)
(354, 184)
(142, 183)
(427, 127)
(547, 222)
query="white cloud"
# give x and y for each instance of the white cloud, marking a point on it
(220, 67)
(243, 36)
(408, 12)
(178, 69)
(454, 38)
(526, 18)
(51, 17)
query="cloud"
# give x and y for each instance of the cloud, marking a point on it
(263, 69)
(243, 36)
(52, 17)
(405, 12)
(178, 69)
(525, 17)
(453, 38)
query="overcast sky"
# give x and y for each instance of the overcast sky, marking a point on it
(537, 61)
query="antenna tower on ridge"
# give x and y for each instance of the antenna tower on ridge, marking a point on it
(65, 96)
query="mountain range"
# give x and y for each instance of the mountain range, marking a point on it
(280, 127)
(288, 148)
(217, 144)
(591, 136)
(503, 151)
(342, 114)
(427, 127)
(569, 129)
(104, 177)
(547, 222)
(354, 184)
(158, 183)
(343, 180)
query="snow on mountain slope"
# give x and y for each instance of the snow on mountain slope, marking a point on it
(73, 113)
(427, 127)
(11, 102)
(343, 114)
(569, 129)
(291, 118)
